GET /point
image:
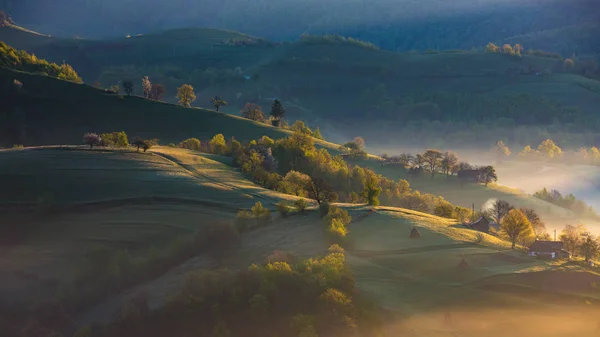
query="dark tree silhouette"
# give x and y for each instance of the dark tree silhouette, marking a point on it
(218, 102)
(157, 91)
(318, 189)
(128, 87)
(277, 110)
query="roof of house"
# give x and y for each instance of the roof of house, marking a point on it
(546, 246)
(482, 224)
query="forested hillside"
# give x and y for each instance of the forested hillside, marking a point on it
(394, 25)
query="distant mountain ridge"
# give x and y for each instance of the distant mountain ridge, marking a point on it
(391, 24)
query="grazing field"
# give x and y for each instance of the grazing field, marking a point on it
(54, 175)
(419, 279)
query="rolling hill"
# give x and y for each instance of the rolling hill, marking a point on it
(458, 98)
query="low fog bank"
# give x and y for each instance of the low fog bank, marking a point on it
(541, 321)
(583, 181)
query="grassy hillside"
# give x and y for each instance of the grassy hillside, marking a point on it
(419, 279)
(50, 111)
(431, 97)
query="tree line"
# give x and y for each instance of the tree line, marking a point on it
(294, 165)
(435, 161)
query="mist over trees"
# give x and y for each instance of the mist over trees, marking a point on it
(435, 23)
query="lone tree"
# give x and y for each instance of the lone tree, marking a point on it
(277, 110)
(499, 210)
(91, 139)
(372, 190)
(318, 189)
(146, 86)
(218, 102)
(538, 227)
(433, 159)
(590, 247)
(253, 111)
(487, 174)
(186, 95)
(515, 227)
(571, 237)
(128, 87)
(157, 91)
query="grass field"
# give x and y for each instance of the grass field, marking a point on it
(419, 280)
(416, 279)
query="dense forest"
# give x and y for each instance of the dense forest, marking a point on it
(431, 24)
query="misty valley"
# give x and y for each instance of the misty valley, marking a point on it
(299, 168)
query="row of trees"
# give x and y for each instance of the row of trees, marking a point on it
(506, 49)
(117, 139)
(548, 150)
(22, 61)
(436, 161)
(569, 201)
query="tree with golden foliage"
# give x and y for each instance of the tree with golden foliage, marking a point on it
(571, 237)
(528, 153)
(507, 49)
(492, 48)
(518, 49)
(515, 227)
(502, 151)
(186, 95)
(549, 149)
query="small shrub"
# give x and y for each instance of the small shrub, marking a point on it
(283, 207)
(335, 248)
(191, 144)
(172, 145)
(18, 146)
(301, 205)
(118, 139)
(261, 214)
(324, 209)
(91, 139)
(243, 220)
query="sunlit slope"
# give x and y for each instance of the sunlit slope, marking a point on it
(181, 48)
(469, 194)
(54, 175)
(420, 279)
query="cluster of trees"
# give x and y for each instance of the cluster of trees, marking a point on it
(548, 150)
(254, 112)
(335, 221)
(436, 161)
(293, 165)
(578, 240)
(569, 201)
(117, 139)
(506, 49)
(21, 60)
(519, 226)
(5, 20)
(286, 296)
